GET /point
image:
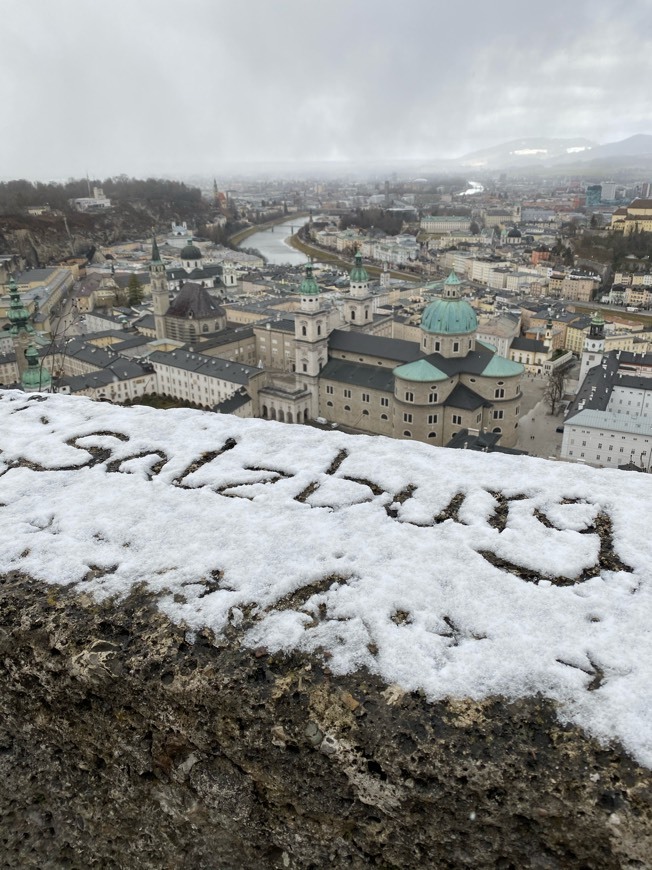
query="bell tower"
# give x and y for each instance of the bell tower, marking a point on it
(20, 329)
(593, 346)
(310, 338)
(159, 288)
(358, 308)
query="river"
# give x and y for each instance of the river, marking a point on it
(272, 245)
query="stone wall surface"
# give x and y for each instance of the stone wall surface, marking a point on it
(122, 745)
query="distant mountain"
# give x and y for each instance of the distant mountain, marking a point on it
(639, 145)
(526, 152)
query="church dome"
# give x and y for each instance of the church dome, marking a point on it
(358, 274)
(449, 317)
(190, 252)
(514, 233)
(309, 286)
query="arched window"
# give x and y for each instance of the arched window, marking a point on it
(347, 407)
(432, 434)
(281, 417)
(383, 417)
(498, 430)
(304, 329)
(407, 433)
(264, 410)
(329, 404)
(365, 413)
(290, 420)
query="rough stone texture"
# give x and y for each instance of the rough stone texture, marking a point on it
(122, 745)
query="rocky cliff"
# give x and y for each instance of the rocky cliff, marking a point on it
(40, 240)
(205, 661)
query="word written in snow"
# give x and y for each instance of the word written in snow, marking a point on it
(100, 449)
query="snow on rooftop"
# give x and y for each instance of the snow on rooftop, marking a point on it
(458, 573)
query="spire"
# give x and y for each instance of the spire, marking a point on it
(17, 315)
(156, 257)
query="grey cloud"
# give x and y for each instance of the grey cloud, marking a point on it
(148, 87)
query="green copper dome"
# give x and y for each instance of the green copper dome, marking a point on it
(35, 377)
(309, 286)
(190, 252)
(358, 273)
(449, 317)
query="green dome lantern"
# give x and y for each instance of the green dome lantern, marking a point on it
(450, 315)
(36, 378)
(358, 274)
(309, 286)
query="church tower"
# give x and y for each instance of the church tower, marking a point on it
(20, 329)
(310, 337)
(593, 346)
(358, 308)
(159, 287)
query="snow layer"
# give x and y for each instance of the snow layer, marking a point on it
(457, 573)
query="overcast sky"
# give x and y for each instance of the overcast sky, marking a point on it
(152, 87)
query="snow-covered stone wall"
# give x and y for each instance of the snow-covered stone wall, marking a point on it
(460, 574)
(449, 576)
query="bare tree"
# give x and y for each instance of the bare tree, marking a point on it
(554, 391)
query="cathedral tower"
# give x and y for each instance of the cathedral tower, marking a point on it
(159, 288)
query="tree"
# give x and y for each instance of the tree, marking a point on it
(135, 291)
(474, 229)
(554, 391)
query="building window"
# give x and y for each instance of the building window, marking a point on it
(365, 397)
(409, 397)
(407, 433)
(365, 413)
(347, 394)
(383, 417)
(319, 329)
(432, 434)
(499, 393)
(384, 402)
(407, 418)
(437, 345)
(347, 407)
(305, 367)
(329, 389)
(432, 398)
(330, 404)
(456, 346)
(457, 419)
(352, 314)
(304, 330)
(498, 415)
(432, 418)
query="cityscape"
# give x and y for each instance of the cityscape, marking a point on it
(458, 312)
